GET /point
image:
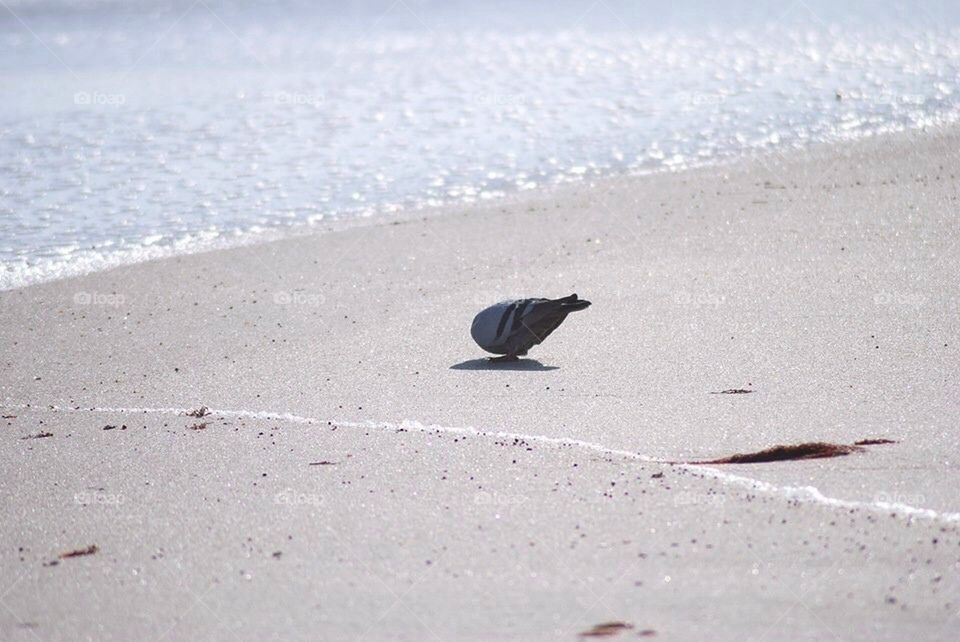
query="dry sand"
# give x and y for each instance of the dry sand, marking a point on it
(350, 481)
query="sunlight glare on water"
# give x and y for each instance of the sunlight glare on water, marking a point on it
(134, 130)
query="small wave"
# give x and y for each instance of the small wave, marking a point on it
(806, 494)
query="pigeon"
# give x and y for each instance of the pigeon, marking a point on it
(511, 328)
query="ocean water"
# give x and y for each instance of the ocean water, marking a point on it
(138, 129)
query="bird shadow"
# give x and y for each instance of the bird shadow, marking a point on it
(529, 365)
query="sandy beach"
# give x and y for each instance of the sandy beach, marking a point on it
(362, 473)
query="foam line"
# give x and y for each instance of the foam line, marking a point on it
(809, 494)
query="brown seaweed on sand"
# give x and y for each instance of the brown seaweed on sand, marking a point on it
(809, 450)
(39, 435)
(80, 552)
(733, 391)
(606, 629)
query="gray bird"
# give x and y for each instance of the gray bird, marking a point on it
(511, 328)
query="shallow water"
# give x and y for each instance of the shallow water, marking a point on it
(133, 130)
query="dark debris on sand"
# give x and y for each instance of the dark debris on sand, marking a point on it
(874, 442)
(202, 411)
(80, 552)
(607, 629)
(323, 463)
(733, 391)
(39, 435)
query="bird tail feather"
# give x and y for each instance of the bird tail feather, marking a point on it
(572, 303)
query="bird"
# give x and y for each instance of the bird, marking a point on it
(511, 328)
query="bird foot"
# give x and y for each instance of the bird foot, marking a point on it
(505, 358)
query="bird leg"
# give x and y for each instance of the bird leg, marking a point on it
(505, 358)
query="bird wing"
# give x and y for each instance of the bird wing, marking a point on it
(538, 318)
(513, 327)
(493, 327)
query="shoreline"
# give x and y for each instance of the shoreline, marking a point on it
(336, 489)
(707, 469)
(229, 240)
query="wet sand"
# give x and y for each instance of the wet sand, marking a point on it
(361, 473)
